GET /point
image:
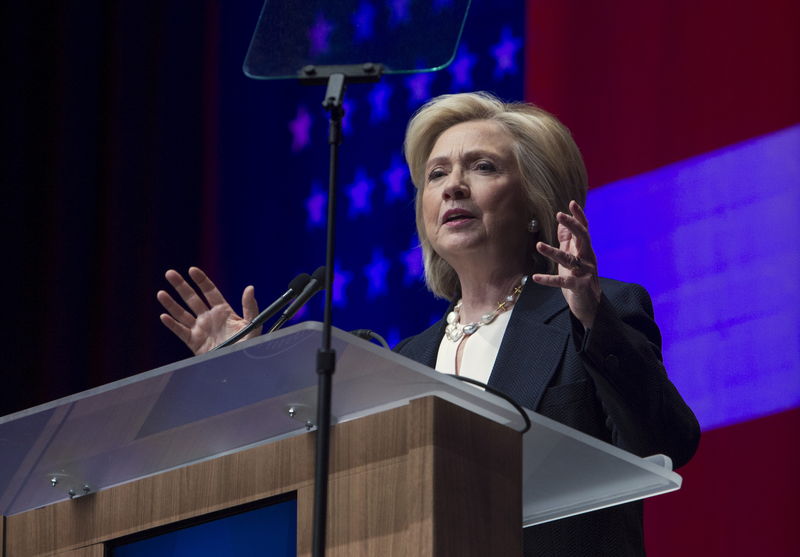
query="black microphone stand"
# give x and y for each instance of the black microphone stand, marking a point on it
(336, 78)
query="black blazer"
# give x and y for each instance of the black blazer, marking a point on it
(609, 382)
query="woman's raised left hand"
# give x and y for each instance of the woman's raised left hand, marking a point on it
(577, 265)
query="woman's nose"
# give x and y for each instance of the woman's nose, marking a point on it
(457, 187)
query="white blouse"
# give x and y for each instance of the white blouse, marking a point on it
(480, 350)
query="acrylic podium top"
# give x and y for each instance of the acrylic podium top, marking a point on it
(262, 390)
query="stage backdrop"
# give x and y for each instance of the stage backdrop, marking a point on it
(133, 143)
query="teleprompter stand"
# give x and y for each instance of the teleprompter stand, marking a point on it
(336, 78)
(324, 44)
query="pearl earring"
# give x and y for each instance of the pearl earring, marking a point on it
(533, 226)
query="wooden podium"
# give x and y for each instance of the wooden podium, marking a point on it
(428, 478)
(421, 464)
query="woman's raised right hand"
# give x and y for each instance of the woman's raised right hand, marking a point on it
(210, 318)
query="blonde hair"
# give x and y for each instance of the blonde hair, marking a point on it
(549, 162)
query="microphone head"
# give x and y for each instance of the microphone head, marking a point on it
(319, 274)
(299, 282)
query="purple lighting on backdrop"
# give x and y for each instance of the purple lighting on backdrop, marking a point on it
(379, 100)
(419, 86)
(318, 36)
(316, 205)
(341, 279)
(376, 272)
(714, 239)
(300, 128)
(359, 192)
(393, 336)
(364, 22)
(505, 53)
(349, 106)
(397, 180)
(461, 69)
(399, 12)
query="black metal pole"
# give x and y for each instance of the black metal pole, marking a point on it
(326, 356)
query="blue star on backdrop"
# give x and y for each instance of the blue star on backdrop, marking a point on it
(316, 205)
(461, 69)
(360, 194)
(300, 128)
(376, 271)
(419, 86)
(319, 35)
(399, 12)
(505, 53)
(379, 99)
(364, 22)
(397, 179)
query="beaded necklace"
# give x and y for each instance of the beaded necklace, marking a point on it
(455, 330)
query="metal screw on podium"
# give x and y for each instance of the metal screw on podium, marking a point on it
(53, 481)
(303, 413)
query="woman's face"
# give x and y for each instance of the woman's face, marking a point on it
(473, 205)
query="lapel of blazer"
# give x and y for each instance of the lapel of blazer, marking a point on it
(531, 349)
(426, 349)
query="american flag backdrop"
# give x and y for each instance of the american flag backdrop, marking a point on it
(687, 114)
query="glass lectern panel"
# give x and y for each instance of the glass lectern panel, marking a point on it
(263, 390)
(403, 36)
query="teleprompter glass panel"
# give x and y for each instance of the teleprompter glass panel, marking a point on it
(404, 37)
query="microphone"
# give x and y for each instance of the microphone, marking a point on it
(369, 335)
(316, 284)
(295, 286)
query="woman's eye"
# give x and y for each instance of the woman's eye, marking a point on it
(435, 173)
(485, 166)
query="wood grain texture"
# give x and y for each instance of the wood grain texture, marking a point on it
(425, 479)
(225, 482)
(477, 494)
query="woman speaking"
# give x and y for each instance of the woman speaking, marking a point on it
(499, 195)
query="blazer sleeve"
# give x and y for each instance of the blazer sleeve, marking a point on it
(622, 353)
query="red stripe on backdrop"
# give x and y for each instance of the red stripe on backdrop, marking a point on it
(740, 494)
(644, 84)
